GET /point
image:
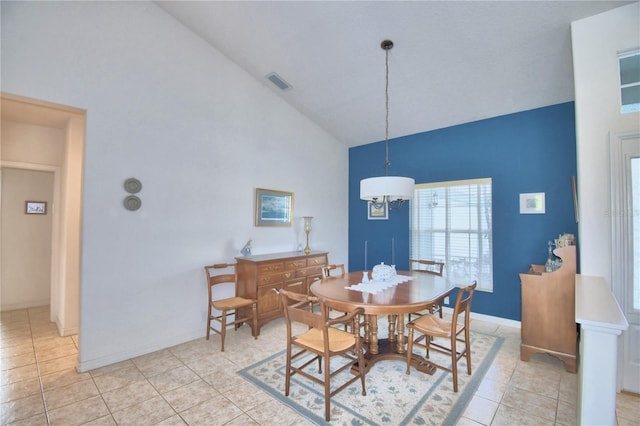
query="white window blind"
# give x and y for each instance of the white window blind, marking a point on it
(451, 222)
(630, 81)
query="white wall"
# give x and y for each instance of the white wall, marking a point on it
(165, 107)
(596, 42)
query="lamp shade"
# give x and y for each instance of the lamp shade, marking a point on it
(392, 187)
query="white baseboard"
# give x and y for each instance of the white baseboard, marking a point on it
(489, 318)
(90, 364)
(23, 305)
(69, 331)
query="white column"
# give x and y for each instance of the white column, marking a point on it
(601, 322)
(597, 375)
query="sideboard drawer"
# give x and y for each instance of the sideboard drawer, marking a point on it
(317, 261)
(317, 270)
(270, 279)
(269, 268)
(295, 264)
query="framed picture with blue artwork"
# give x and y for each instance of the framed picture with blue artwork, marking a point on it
(532, 203)
(273, 208)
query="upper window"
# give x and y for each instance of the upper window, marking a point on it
(630, 81)
(451, 222)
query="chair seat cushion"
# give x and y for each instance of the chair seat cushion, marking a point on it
(231, 303)
(338, 340)
(433, 326)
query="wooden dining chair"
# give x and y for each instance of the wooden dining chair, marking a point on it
(428, 267)
(323, 341)
(333, 270)
(243, 310)
(338, 270)
(431, 327)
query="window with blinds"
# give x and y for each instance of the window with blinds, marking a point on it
(630, 81)
(451, 222)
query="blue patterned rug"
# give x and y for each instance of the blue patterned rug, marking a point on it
(393, 398)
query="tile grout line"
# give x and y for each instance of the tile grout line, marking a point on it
(93, 380)
(160, 393)
(200, 377)
(35, 355)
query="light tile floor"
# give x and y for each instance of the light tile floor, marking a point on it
(194, 383)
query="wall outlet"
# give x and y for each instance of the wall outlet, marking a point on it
(446, 300)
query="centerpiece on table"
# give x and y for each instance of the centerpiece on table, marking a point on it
(383, 272)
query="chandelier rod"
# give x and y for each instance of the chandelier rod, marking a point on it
(386, 45)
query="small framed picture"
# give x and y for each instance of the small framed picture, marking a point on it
(377, 211)
(532, 203)
(35, 207)
(273, 208)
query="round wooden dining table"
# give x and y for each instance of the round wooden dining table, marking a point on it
(419, 292)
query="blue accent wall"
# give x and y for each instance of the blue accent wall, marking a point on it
(531, 151)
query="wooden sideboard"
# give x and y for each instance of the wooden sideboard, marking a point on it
(548, 310)
(259, 275)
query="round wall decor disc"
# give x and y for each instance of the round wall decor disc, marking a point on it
(132, 185)
(132, 203)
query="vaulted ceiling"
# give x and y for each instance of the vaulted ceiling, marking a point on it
(453, 61)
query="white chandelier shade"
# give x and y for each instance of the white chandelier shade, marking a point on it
(393, 190)
(383, 189)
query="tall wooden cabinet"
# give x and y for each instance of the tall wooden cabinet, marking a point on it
(548, 310)
(259, 275)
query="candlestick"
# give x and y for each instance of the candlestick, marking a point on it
(393, 251)
(365, 255)
(307, 229)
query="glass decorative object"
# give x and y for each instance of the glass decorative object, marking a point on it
(548, 267)
(246, 250)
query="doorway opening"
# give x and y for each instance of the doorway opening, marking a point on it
(40, 136)
(625, 229)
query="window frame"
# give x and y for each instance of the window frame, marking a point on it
(628, 85)
(458, 262)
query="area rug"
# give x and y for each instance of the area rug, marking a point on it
(393, 398)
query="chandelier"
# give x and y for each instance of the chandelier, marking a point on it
(393, 190)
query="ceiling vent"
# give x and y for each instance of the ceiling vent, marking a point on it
(278, 81)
